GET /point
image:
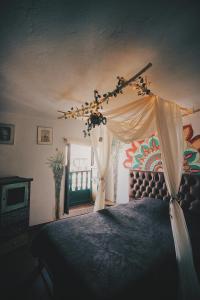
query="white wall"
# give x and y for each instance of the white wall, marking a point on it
(28, 159)
(122, 178)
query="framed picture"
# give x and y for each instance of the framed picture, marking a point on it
(44, 135)
(7, 132)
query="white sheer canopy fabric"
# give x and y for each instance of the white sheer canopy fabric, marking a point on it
(170, 133)
(137, 120)
(132, 121)
(101, 140)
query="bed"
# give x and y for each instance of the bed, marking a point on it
(122, 252)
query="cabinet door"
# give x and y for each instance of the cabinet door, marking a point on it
(14, 196)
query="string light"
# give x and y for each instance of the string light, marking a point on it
(91, 111)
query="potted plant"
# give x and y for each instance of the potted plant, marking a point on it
(56, 163)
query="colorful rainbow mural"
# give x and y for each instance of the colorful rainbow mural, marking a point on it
(145, 155)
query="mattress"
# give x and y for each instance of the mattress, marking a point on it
(122, 252)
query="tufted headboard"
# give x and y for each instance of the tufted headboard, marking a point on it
(152, 185)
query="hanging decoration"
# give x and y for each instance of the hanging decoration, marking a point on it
(91, 112)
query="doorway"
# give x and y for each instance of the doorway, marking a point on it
(78, 178)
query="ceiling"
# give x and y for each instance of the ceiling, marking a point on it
(53, 54)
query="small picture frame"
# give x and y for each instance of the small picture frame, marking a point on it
(44, 135)
(7, 132)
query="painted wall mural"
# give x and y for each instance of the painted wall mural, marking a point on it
(145, 155)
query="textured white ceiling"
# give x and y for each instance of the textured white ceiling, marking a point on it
(53, 54)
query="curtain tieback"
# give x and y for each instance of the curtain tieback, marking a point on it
(102, 182)
(172, 200)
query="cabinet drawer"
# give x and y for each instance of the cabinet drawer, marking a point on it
(15, 217)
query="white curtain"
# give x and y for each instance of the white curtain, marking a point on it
(170, 133)
(101, 140)
(135, 120)
(132, 121)
(109, 187)
(138, 120)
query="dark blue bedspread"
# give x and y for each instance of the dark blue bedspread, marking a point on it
(123, 252)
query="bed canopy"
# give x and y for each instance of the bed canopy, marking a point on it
(138, 120)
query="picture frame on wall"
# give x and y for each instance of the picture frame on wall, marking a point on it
(7, 132)
(44, 135)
